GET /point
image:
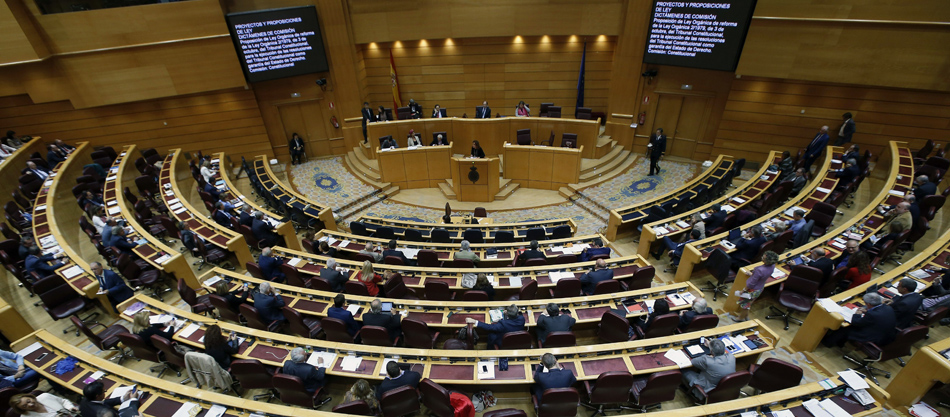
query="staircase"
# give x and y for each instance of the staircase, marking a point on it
(367, 170)
(505, 189)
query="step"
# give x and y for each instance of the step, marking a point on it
(603, 146)
(370, 164)
(588, 165)
(447, 190)
(390, 191)
(565, 192)
(361, 171)
(606, 168)
(624, 165)
(506, 188)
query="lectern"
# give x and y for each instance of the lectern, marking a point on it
(475, 179)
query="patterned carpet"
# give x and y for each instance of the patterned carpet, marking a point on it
(328, 181)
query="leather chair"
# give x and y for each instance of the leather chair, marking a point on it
(480, 212)
(523, 137)
(543, 109)
(436, 398)
(564, 259)
(255, 321)
(376, 336)
(438, 291)
(417, 334)
(607, 287)
(320, 284)
(528, 291)
(728, 388)
(357, 408)
(610, 388)
(535, 233)
(774, 375)
(654, 390)
(719, 265)
(399, 402)
(413, 235)
(535, 262)
(293, 276)
(336, 330)
(661, 326)
(583, 113)
(473, 236)
(213, 256)
(554, 111)
(252, 374)
(824, 215)
(796, 293)
(141, 351)
(104, 340)
(613, 328)
(255, 270)
(199, 305)
(358, 228)
(701, 322)
(357, 287)
(557, 402)
(505, 412)
(516, 340)
(300, 326)
(901, 345)
(440, 235)
(569, 140)
(566, 288)
(393, 260)
(559, 339)
(384, 232)
(504, 236)
(475, 295)
(428, 258)
(562, 232)
(170, 357)
(395, 287)
(291, 391)
(59, 299)
(224, 309)
(462, 263)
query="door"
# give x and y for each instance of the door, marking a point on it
(683, 119)
(306, 119)
(667, 116)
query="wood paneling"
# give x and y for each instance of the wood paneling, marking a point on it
(917, 10)
(223, 121)
(762, 113)
(393, 20)
(460, 74)
(20, 40)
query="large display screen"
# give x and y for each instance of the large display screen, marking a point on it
(278, 43)
(705, 34)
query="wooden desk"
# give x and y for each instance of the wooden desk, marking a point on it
(544, 167)
(175, 172)
(468, 220)
(490, 133)
(420, 167)
(474, 179)
(286, 194)
(815, 191)
(285, 229)
(154, 250)
(455, 230)
(626, 219)
(14, 326)
(868, 221)
(927, 367)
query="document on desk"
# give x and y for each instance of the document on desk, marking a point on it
(678, 357)
(328, 358)
(814, 407)
(823, 190)
(160, 319)
(682, 224)
(486, 370)
(72, 271)
(190, 330)
(216, 411)
(919, 274)
(188, 409)
(114, 210)
(211, 281)
(294, 262)
(833, 408)
(353, 309)
(29, 349)
(118, 392)
(783, 413)
(853, 380)
(896, 193)
(386, 361)
(410, 253)
(350, 363)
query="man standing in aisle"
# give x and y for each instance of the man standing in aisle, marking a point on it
(656, 148)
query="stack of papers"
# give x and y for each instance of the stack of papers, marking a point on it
(353, 309)
(350, 363)
(188, 331)
(188, 409)
(833, 307)
(40, 207)
(160, 319)
(72, 271)
(111, 202)
(790, 212)
(211, 281)
(328, 358)
(118, 392)
(678, 357)
(738, 200)
(296, 262)
(558, 275)
(676, 300)
(47, 241)
(777, 273)
(682, 224)
(342, 244)
(134, 308)
(114, 210)
(923, 409)
(728, 209)
(823, 190)
(919, 274)
(659, 230)
(162, 259)
(180, 210)
(853, 380)
(896, 193)
(410, 253)
(29, 349)
(216, 411)
(824, 408)
(514, 281)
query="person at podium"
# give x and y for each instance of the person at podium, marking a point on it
(477, 151)
(389, 143)
(413, 139)
(439, 141)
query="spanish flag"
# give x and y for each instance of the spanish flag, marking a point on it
(397, 101)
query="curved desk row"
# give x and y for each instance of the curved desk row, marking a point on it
(626, 219)
(820, 320)
(815, 191)
(587, 310)
(678, 224)
(154, 250)
(923, 371)
(286, 195)
(520, 229)
(900, 180)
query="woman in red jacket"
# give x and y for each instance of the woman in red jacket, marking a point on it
(369, 277)
(859, 269)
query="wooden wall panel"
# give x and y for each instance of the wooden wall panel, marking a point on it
(18, 31)
(401, 20)
(227, 121)
(764, 114)
(461, 74)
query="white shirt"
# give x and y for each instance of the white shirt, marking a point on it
(53, 405)
(207, 173)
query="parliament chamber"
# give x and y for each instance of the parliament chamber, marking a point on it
(542, 208)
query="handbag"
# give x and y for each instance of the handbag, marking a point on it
(468, 280)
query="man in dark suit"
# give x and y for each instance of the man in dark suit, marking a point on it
(850, 248)
(269, 303)
(924, 187)
(368, 116)
(513, 322)
(313, 377)
(391, 251)
(551, 375)
(395, 378)
(439, 141)
(38, 171)
(875, 323)
(223, 217)
(338, 311)
(296, 145)
(551, 320)
(532, 253)
(415, 109)
(94, 400)
(716, 218)
(600, 273)
(816, 147)
(437, 112)
(846, 130)
(333, 276)
(699, 309)
(120, 241)
(853, 152)
(907, 303)
(23, 250)
(247, 216)
(388, 321)
(214, 191)
(748, 247)
(845, 175)
(483, 112)
(676, 250)
(264, 232)
(596, 248)
(55, 156)
(656, 149)
(825, 264)
(270, 265)
(111, 284)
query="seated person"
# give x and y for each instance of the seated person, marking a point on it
(396, 377)
(234, 300)
(338, 311)
(779, 229)
(38, 171)
(460, 341)
(381, 115)
(218, 347)
(483, 284)
(391, 251)
(361, 391)
(551, 375)
(94, 402)
(906, 304)
(894, 230)
(859, 269)
(313, 377)
(55, 156)
(785, 167)
(370, 278)
(42, 405)
(716, 217)
(224, 217)
(850, 248)
(900, 214)
(874, 323)
(551, 320)
(188, 237)
(817, 259)
(747, 248)
(246, 217)
(121, 242)
(26, 242)
(368, 251)
(13, 373)
(676, 250)
(849, 173)
(439, 141)
(269, 303)
(333, 275)
(596, 248)
(699, 308)
(465, 252)
(798, 181)
(388, 320)
(696, 223)
(389, 143)
(412, 139)
(88, 198)
(600, 273)
(711, 368)
(37, 262)
(477, 151)
(270, 266)
(532, 253)
(437, 112)
(111, 284)
(264, 232)
(513, 322)
(923, 187)
(324, 248)
(142, 327)
(660, 307)
(853, 152)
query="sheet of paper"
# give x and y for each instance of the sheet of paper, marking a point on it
(410, 253)
(162, 259)
(213, 280)
(382, 369)
(679, 357)
(351, 363)
(30, 349)
(486, 370)
(778, 273)
(738, 200)
(297, 262)
(190, 330)
(923, 409)
(180, 211)
(682, 224)
(173, 201)
(919, 274)
(114, 210)
(833, 408)
(160, 319)
(328, 358)
(353, 309)
(783, 413)
(118, 392)
(344, 244)
(728, 209)
(187, 410)
(814, 407)
(111, 203)
(110, 178)
(896, 193)
(72, 271)
(694, 350)
(134, 308)
(216, 411)
(853, 380)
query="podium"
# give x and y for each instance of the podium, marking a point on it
(475, 179)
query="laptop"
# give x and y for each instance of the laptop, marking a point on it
(734, 235)
(387, 307)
